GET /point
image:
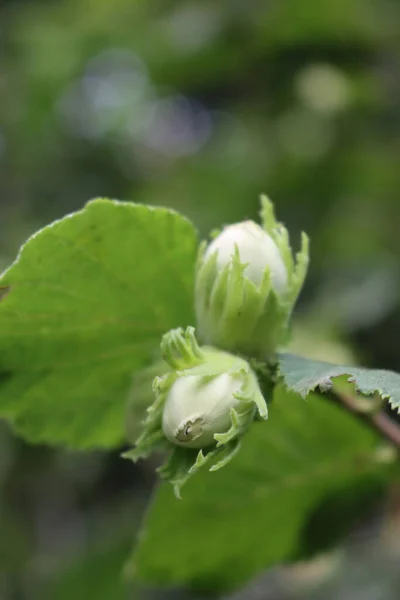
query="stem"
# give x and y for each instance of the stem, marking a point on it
(378, 421)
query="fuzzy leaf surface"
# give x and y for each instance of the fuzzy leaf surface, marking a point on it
(232, 524)
(82, 309)
(303, 375)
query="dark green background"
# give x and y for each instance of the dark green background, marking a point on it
(200, 106)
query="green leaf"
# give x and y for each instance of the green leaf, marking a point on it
(83, 307)
(232, 524)
(303, 375)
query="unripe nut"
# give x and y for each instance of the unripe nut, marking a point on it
(247, 284)
(256, 249)
(196, 409)
(204, 403)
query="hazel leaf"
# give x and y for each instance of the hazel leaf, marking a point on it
(87, 301)
(303, 375)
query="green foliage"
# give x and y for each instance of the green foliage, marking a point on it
(339, 512)
(83, 307)
(303, 375)
(197, 106)
(82, 312)
(232, 524)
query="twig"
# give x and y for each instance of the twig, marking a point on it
(379, 421)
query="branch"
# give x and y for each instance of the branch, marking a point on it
(379, 421)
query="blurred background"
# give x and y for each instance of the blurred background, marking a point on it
(202, 106)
